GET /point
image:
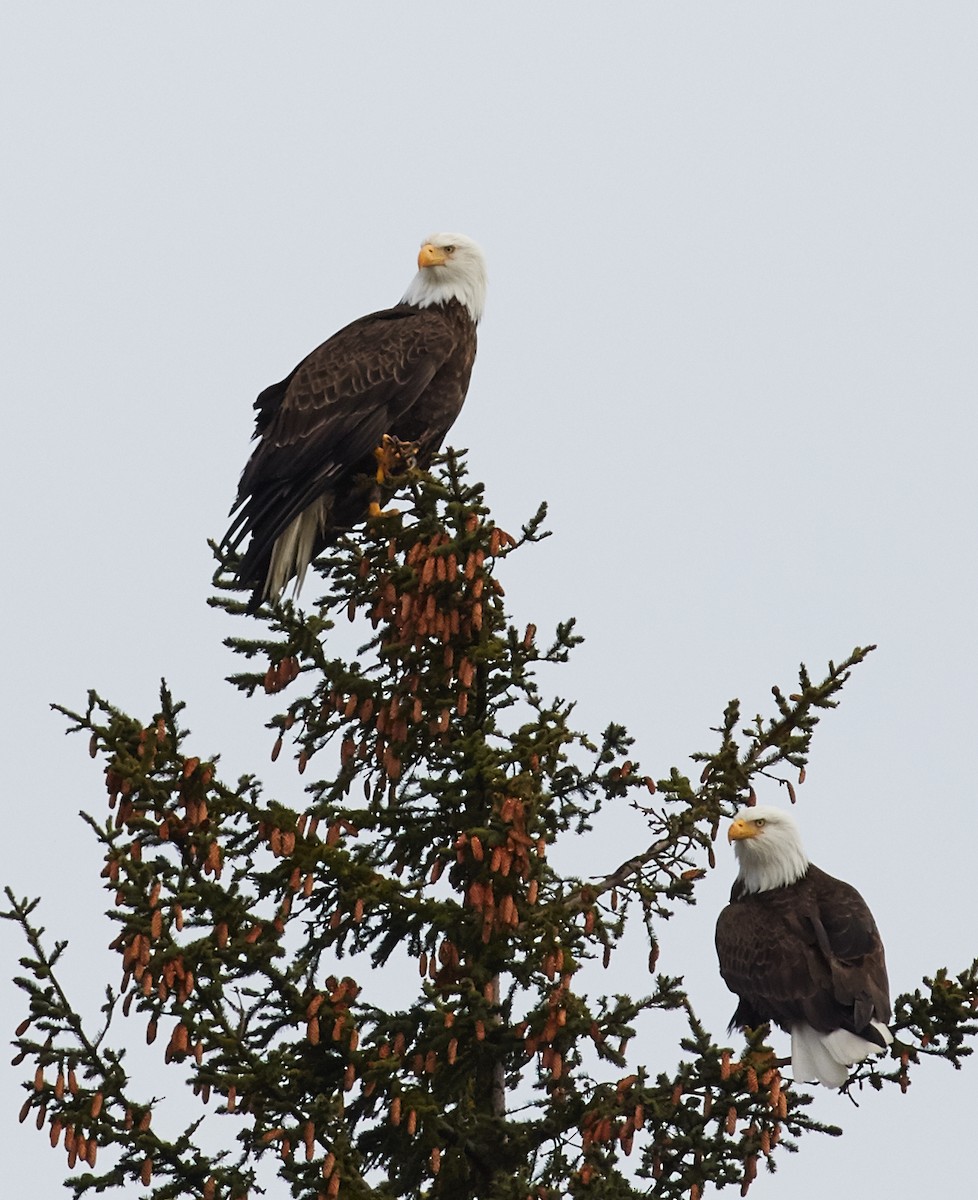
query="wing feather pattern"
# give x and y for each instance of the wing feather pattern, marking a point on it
(402, 371)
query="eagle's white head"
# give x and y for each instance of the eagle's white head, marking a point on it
(450, 267)
(768, 847)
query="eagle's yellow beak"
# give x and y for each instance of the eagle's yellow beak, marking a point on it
(431, 256)
(742, 829)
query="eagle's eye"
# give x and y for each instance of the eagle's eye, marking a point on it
(449, 249)
(760, 822)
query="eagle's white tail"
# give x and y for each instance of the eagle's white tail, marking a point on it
(827, 1057)
(293, 550)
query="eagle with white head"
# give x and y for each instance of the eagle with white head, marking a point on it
(802, 949)
(373, 400)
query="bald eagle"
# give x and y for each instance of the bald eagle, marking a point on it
(801, 949)
(373, 400)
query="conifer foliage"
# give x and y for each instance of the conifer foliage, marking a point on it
(375, 986)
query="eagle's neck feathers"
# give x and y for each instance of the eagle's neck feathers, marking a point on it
(424, 291)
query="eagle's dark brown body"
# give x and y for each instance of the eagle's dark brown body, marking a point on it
(403, 372)
(807, 952)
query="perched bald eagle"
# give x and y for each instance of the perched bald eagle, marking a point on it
(802, 949)
(376, 398)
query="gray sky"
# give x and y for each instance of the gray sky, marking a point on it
(730, 338)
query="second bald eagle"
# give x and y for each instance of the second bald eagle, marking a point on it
(802, 949)
(384, 389)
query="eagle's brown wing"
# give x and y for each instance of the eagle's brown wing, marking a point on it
(317, 428)
(807, 952)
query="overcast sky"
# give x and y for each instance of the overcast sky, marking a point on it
(730, 338)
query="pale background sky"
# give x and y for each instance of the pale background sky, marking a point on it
(730, 338)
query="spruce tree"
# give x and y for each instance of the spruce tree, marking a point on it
(258, 934)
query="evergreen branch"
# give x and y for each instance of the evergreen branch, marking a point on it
(667, 869)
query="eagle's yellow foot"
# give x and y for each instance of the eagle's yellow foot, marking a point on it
(375, 511)
(394, 457)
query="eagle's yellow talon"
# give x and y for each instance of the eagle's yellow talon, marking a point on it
(394, 457)
(374, 511)
(383, 454)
